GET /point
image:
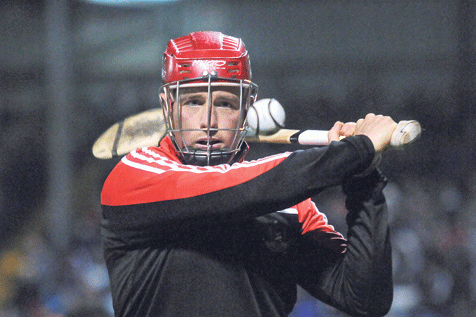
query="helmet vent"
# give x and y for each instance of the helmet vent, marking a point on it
(230, 43)
(184, 46)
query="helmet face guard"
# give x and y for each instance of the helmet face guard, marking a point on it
(208, 62)
(174, 116)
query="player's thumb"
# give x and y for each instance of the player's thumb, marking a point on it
(334, 132)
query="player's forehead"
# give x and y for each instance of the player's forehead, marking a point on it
(224, 92)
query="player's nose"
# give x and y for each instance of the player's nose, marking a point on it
(208, 117)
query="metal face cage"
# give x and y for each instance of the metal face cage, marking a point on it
(173, 113)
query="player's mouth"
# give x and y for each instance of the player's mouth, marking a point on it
(202, 144)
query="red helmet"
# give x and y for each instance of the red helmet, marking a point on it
(201, 53)
(204, 60)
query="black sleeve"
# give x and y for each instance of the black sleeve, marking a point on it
(359, 281)
(301, 175)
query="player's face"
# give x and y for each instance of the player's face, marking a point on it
(219, 117)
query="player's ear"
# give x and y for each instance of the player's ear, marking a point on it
(162, 99)
(252, 101)
(166, 102)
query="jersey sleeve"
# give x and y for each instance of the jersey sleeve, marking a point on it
(147, 176)
(316, 227)
(148, 192)
(359, 280)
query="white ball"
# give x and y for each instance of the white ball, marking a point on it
(266, 116)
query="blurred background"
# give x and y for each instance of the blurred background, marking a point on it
(71, 68)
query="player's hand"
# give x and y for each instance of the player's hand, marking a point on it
(378, 128)
(341, 130)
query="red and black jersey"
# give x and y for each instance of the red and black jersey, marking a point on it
(229, 240)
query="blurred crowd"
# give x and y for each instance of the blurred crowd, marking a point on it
(431, 196)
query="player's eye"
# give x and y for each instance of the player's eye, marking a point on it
(193, 102)
(226, 104)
